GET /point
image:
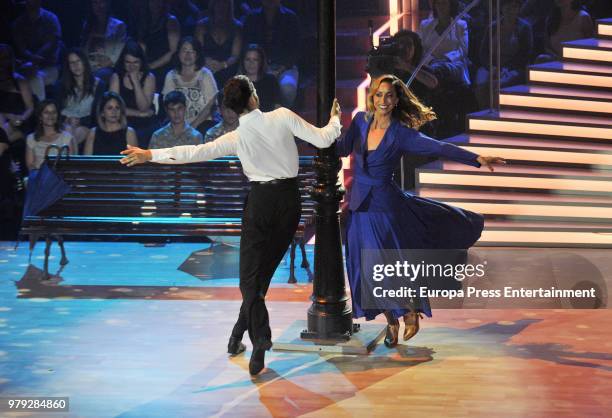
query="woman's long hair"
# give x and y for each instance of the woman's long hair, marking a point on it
(68, 83)
(263, 61)
(107, 97)
(134, 49)
(91, 20)
(39, 131)
(409, 110)
(197, 46)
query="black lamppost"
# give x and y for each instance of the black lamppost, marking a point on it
(329, 316)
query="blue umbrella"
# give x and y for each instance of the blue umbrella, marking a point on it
(45, 186)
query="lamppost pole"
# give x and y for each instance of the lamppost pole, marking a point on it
(329, 316)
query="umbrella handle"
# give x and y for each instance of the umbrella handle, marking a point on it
(49, 148)
(58, 154)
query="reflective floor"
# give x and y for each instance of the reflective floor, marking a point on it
(134, 331)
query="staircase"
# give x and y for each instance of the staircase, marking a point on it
(556, 135)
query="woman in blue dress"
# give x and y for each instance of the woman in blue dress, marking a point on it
(381, 216)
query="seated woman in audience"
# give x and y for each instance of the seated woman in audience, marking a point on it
(136, 85)
(449, 59)
(77, 92)
(48, 132)
(158, 34)
(195, 82)
(254, 65)
(103, 38)
(112, 134)
(16, 99)
(221, 36)
(517, 44)
(568, 21)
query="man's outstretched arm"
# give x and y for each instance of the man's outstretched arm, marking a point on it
(222, 146)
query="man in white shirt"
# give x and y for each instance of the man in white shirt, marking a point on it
(265, 145)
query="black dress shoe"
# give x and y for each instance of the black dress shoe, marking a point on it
(235, 346)
(256, 364)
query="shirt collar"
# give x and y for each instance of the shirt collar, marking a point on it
(253, 114)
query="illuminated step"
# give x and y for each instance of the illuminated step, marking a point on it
(533, 143)
(508, 196)
(557, 98)
(604, 27)
(572, 73)
(517, 168)
(538, 123)
(593, 159)
(591, 212)
(599, 50)
(534, 238)
(520, 182)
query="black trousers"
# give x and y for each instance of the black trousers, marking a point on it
(270, 219)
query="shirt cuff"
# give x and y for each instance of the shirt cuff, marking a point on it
(159, 154)
(335, 120)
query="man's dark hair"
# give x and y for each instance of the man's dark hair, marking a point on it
(237, 92)
(401, 36)
(175, 97)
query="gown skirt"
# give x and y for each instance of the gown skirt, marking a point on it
(413, 223)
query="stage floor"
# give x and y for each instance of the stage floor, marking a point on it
(125, 332)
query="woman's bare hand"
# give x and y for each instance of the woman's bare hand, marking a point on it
(489, 161)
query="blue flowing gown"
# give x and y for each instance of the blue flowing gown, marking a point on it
(382, 216)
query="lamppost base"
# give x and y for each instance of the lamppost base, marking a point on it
(364, 339)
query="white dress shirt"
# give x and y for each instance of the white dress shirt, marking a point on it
(264, 143)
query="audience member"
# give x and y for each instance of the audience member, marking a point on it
(48, 132)
(228, 122)
(221, 37)
(277, 29)
(254, 66)
(187, 13)
(103, 38)
(16, 100)
(11, 192)
(112, 134)
(517, 43)
(136, 86)
(37, 36)
(158, 34)
(536, 12)
(177, 131)
(568, 21)
(449, 59)
(195, 82)
(71, 14)
(77, 93)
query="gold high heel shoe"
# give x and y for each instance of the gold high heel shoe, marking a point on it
(393, 325)
(411, 324)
